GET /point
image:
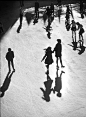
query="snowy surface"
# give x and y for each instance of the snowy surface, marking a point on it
(24, 97)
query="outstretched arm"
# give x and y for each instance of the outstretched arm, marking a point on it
(43, 58)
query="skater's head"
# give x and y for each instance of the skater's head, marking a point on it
(48, 49)
(9, 49)
(67, 6)
(73, 22)
(59, 40)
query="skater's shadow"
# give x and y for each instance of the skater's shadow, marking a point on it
(48, 89)
(29, 17)
(48, 30)
(58, 84)
(6, 84)
(49, 34)
(80, 50)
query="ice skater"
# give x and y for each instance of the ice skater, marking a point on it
(81, 9)
(52, 8)
(73, 29)
(58, 52)
(9, 58)
(81, 31)
(37, 9)
(59, 13)
(48, 58)
(21, 19)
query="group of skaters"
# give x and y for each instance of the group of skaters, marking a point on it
(74, 26)
(48, 60)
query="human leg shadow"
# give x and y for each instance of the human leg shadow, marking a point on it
(6, 84)
(48, 89)
(82, 50)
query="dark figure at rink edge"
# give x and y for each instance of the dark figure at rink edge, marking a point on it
(48, 58)
(58, 52)
(37, 9)
(9, 57)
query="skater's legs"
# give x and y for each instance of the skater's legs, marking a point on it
(12, 64)
(9, 66)
(61, 60)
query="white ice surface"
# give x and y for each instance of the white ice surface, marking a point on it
(23, 97)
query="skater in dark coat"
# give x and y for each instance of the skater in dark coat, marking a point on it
(58, 52)
(9, 58)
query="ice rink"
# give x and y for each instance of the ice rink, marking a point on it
(23, 97)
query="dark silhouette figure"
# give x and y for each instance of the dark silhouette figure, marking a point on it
(58, 52)
(48, 12)
(81, 31)
(1, 28)
(44, 17)
(21, 3)
(9, 58)
(52, 8)
(21, 18)
(67, 25)
(19, 28)
(6, 84)
(59, 13)
(58, 84)
(48, 58)
(37, 9)
(73, 29)
(81, 9)
(68, 13)
(49, 34)
(48, 89)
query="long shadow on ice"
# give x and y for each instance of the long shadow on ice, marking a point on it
(48, 89)
(81, 50)
(6, 84)
(58, 84)
(29, 17)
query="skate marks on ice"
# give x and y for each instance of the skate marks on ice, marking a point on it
(6, 84)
